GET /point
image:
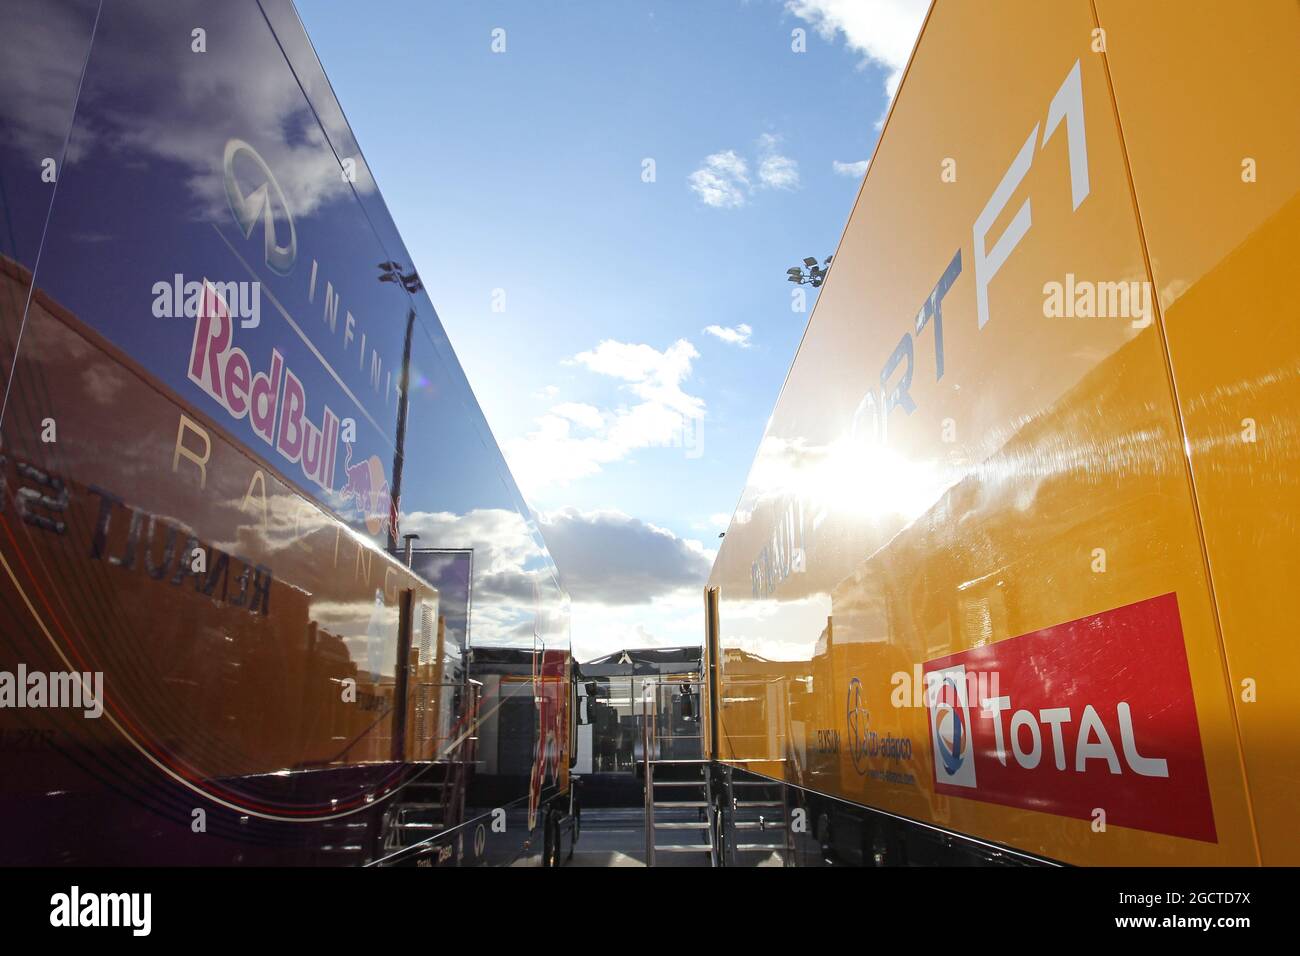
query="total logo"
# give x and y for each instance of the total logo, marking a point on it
(950, 730)
(1097, 712)
(950, 726)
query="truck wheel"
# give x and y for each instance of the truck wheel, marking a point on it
(824, 838)
(720, 831)
(551, 842)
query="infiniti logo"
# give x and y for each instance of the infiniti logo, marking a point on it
(260, 203)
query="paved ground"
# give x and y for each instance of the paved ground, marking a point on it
(616, 837)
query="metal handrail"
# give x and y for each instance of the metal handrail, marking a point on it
(651, 689)
(647, 776)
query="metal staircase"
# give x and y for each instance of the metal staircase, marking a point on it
(435, 800)
(680, 814)
(695, 805)
(679, 800)
(759, 817)
(420, 811)
(348, 839)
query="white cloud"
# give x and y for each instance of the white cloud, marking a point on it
(607, 557)
(855, 170)
(712, 524)
(779, 172)
(672, 620)
(652, 375)
(884, 31)
(723, 180)
(781, 630)
(587, 416)
(164, 106)
(38, 76)
(552, 455)
(739, 335)
(502, 541)
(573, 441)
(511, 573)
(774, 170)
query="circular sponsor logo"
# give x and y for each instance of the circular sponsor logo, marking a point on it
(859, 719)
(262, 204)
(952, 736)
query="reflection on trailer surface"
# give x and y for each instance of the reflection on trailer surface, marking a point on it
(243, 480)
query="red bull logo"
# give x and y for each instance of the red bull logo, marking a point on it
(273, 399)
(365, 488)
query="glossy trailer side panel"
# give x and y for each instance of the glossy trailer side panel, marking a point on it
(967, 582)
(229, 397)
(46, 48)
(1217, 185)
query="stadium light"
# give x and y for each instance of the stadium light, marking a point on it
(815, 276)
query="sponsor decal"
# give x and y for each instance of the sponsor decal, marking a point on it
(828, 742)
(260, 204)
(551, 694)
(867, 746)
(226, 578)
(950, 727)
(1093, 713)
(274, 400)
(551, 698)
(1064, 118)
(859, 719)
(786, 552)
(223, 371)
(365, 487)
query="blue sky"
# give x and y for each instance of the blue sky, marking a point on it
(576, 293)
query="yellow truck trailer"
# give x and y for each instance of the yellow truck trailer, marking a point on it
(1011, 575)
